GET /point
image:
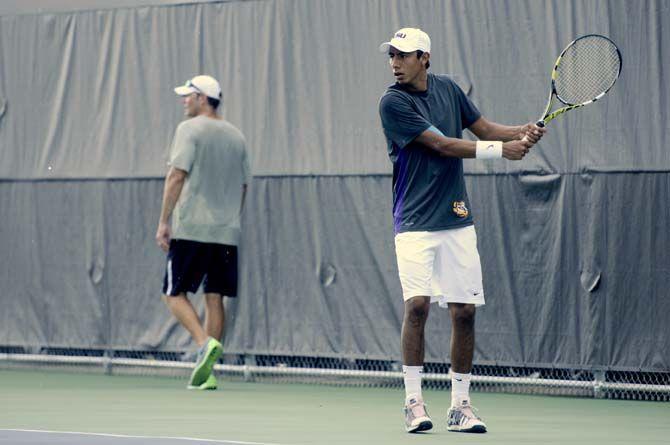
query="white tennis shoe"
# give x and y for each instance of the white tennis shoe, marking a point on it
(464, 420)
(416, 416)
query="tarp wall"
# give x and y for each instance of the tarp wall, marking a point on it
(573, 239)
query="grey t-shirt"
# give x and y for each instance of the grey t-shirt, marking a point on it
(214, 154)
(428, 190)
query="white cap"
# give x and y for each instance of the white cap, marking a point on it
(408, 40)
(206, 85)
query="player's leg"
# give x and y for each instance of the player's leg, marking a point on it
(462, 336)
(412, 336)
(461, 416)
(462, 350)
(215, 315)
(209, 349)
(415, 264)
(214, 323)
(461, 284)
(220, 280)
(185, 313)
(412, 339)
(184, 273)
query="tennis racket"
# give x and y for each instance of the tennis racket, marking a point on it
(584, 72)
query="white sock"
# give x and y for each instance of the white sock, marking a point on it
(460, 388)
(412, 376)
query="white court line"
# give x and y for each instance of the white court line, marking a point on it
(192, 439)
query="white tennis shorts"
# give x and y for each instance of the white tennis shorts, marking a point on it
(443, 265)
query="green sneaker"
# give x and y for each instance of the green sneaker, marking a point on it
(207, 357)
(209, 384)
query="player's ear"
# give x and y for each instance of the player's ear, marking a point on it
(425, 57)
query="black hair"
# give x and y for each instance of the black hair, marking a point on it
(419, 53)
(214, 103)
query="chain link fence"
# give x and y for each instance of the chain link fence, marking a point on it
(546, 380)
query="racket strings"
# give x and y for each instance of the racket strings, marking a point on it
(588, 68)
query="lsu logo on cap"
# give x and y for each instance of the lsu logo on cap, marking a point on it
(460, 209)
(400, 35)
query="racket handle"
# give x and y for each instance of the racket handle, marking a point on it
(540, 124)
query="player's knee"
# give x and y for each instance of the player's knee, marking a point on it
(213, 302)
(417, 308)
(464, 314)
(173, 299)
(213, 298)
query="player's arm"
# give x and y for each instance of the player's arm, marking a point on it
(174, 182)
(244, 197)
(405, 127)
(487, 130)
(435, 140)
(444, 146)
(246, 171)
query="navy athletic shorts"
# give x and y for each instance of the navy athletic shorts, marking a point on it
(190, 262)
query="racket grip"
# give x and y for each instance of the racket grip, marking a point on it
(540, 124)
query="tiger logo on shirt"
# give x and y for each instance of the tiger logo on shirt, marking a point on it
(460, 209)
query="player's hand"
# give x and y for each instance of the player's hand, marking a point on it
(532, 132)
(516, 150)
(163, 235)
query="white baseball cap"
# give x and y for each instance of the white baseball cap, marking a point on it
(203, 84)
(408, 40)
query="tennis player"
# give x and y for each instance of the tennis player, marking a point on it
(423, 116)
(204, 194)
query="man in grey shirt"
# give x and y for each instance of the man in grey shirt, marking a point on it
(204, 194)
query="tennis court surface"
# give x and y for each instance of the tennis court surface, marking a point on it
(60, 408)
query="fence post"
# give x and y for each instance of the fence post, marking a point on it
(598, 380)
(249, 360)
(107, 361)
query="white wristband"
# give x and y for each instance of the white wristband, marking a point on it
(489, 149)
